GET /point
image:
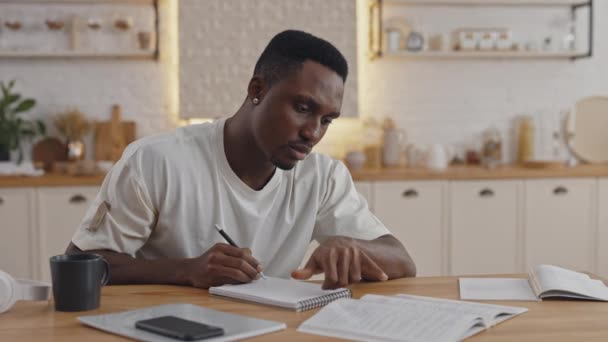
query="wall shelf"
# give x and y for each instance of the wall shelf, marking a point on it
(484, 55)
(125, 29)
(377, 7)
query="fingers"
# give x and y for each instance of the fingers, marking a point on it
(237, 263)
(355, 266)
(241, 253)
(329, 264)
(308, 271)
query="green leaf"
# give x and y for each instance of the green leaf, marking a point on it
(11, 99)
(25, 105)
(11, 84)
(41, 127)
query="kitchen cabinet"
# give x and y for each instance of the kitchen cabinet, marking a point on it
(484, 227)
(602, 214)
(17, 223)
(60, 211)
(559, 224)
(413, 212)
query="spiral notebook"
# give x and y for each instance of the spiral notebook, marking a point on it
(285, 293)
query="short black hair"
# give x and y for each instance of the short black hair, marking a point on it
(288, 50)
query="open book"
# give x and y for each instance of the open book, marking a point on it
(406, 318)
(544, 281)
(290, 294)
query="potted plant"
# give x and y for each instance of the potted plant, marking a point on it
(13, 128)
(73, 125)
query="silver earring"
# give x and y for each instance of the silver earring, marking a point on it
(256, 100)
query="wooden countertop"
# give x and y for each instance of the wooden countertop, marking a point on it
(479, 173)
(389, 174)
(551, 320)
(50, 180)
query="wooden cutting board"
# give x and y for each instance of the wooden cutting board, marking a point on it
(111, 137)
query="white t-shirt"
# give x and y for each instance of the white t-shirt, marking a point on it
(165, 194)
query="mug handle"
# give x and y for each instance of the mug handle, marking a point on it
(106, 274)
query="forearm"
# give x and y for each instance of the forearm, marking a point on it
(390, 255)
(125, 269)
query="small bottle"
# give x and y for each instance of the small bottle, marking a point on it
(526, 140)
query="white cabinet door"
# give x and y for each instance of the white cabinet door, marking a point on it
(602, 241)
(60, 210)
(484, 227)
(413, 212)
(17, 221)
(602, 245)
(365, 189)
(558, 223)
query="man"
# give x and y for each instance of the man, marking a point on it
(253, 175)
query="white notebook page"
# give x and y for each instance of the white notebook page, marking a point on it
(274, 291)
(552, 278)
(491, 314)
(496, 289)
(364, 320)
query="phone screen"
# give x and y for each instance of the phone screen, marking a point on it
(179, 328)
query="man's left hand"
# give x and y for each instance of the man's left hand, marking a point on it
(343, 262)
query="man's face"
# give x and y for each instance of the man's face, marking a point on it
(295, 112)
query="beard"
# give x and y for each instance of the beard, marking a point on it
(285, 166)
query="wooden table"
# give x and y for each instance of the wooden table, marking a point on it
(546, 321)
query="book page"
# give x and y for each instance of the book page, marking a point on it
(556, 281)
(371, 320)
(490, 314)
(496, 289)
(275, 291)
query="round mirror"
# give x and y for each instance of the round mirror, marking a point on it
(587, 129)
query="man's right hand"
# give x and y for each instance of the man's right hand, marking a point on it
(222, 264)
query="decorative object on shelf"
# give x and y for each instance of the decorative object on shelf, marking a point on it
(415, 41)
(111, 137)
(437, 158)
(491, 152)
(94, 23)
(525, 145)
(393, 40)
(372, 142)
(354, 160)
(54, 25)
(47, 152)
(73, 125)
(123, 24)
(13, 25)
(585, 129)
(144, 39)
(13, 128)
(393, 144)
(78, 168)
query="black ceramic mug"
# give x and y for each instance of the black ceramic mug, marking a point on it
(77, 280)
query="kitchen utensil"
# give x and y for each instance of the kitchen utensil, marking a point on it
(111, 137)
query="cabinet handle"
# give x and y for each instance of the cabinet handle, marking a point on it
(486, 193)
(410, 193)
(560, 190)
(77, 199)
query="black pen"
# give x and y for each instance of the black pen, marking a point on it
(230, 241)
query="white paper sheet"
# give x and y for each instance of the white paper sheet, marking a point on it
(496, 289)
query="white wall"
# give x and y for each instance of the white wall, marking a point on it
(451, 100)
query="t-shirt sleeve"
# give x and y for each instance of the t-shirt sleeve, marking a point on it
(343, 211)
(122, 217)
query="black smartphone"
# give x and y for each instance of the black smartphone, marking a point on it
(179, 328)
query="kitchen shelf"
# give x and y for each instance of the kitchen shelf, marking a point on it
(484, 55)
(71, 33)
(489, 2)
(376, 8)
(79, 54)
